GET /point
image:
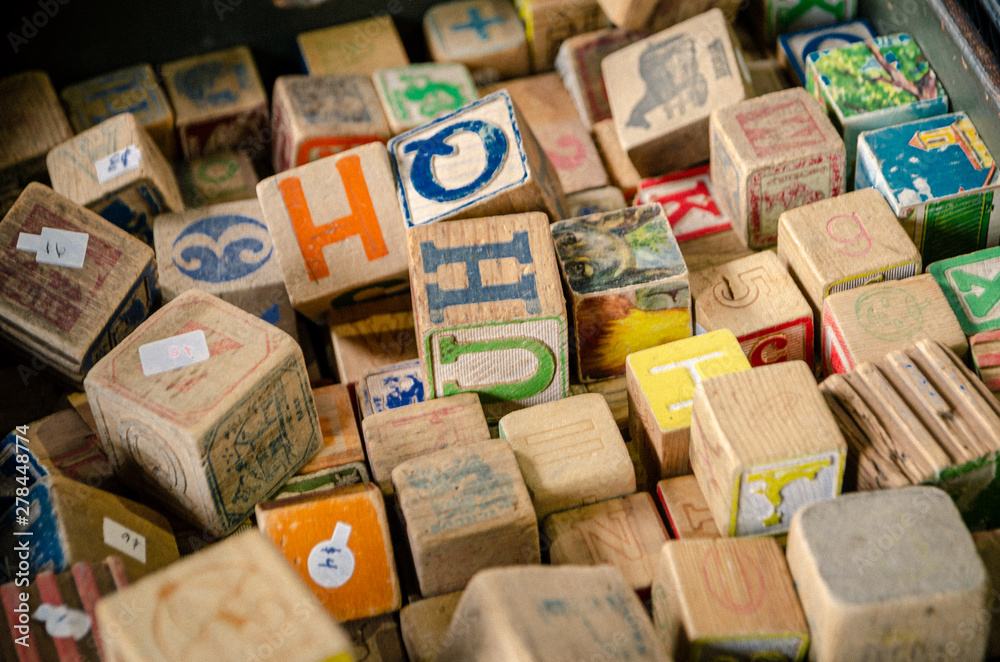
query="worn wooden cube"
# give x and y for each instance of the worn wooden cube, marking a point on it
(661, 384)
(466, 508)
(763, 444)
(31, 123)
(207, 408)
(548, 23)
(415, 94)
(336, 228)
(484, 35)
(341, 439)
(131, 90)
(359, 47)
(874, 84)
(376, 639)
(756, 299)
(224, 250)
(894, 571)
(866, 323)
(771, 154)
(844, 242)
(487, 137)
(220, 177)
(69, 300)
(940, 180)
(794, 47)
(390, 387)
(620, 168)
(727, 599)
(595, 200)
(626, 533)
(570, 452)
(663, 89)
(397, 435)
(219, 102)
(489, 311)
(116, 170)
(686, 508)
(372, 343)
(316, 116)
(424, 624)
(235, 599)
(985, 350)
(988, 546)
(971, 284)
(545, 613)
(338, 542)
(689, 202)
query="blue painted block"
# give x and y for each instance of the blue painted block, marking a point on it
(390, 387)
(36, 523)
(796, 46)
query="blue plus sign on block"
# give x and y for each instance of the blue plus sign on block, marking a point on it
(478, 23)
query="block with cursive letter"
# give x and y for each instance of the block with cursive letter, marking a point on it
(415, 94)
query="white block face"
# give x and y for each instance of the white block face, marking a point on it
(770, 494)
(459, 160)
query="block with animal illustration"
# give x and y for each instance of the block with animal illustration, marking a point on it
(390, 387)
(480, 161)
(771, 154)
(358, 47)
(756, 299)
(316, 116)
(220, 177)
(34, 122)
(489, 311)
(219, 102)
(548, 23)
(663, 89)
(413, 95)
(874, 84)
(971, 284)
(687, 511)
(661, 383)
(866, 323)
(116, 170)
(484, 35)
(764, 444)
(224, 250)
(689, 201)
(628, 286)
(940, 180)
(794, 47)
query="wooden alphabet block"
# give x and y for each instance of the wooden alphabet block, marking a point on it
(764, 444)
(484, 35)
(689, 201)
(66, 313)
(206, 408)
(424, 624)
(661, 384)
(663, 88)
(466, 508)
(579, 64)
(627, 283)
(548, 23)
(971, 283)
(621, 170)
(513, 173)
(988, 546)
(626, 533)
(863, 90)
(713, 250)
(866, 323)
(341, 440)
(844, 242)
(220, 177)
(756, 299)
(594, 201)
(634, 14)
(771, 154)
(767, 76)
(237, 598)
(224, 250)
(71, 522)
(615, 393)
(724, 598)
(32, 123)
(61, 607)
(985, 349)
(116, 170)
(919, 416)
(894, 571)
(669, 13)
(415, 94)
(940, 180)
(489, 312)
(570, 452)
(219, 101)
(338, 542)
(794, 47)
(546, 613)
(131, 90)
(359, 47)
(392, 386)
(687, 511)
(376, 639)
(774, 17)
(374, 342)
(397, 435)
(336, 229)
(316, 116)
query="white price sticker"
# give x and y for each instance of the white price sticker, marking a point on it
(173, 353)
(63, 622)
(125, 540)
(61, 248)
(331, 562)
(118, 163)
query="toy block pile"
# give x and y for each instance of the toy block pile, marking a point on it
(470, 359)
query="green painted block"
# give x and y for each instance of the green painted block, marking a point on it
(971, 284)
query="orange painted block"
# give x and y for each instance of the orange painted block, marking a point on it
(338, 542)
(687, 510)
(341, 440)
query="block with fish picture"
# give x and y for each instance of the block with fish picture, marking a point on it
(939, 178)
(627, 284)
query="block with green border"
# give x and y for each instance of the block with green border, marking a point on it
(971, 283)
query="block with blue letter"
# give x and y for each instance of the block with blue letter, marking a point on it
(484, 35)
(489, 311)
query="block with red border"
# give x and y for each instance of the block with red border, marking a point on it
(688, 201)
(687, 511)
